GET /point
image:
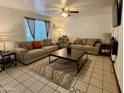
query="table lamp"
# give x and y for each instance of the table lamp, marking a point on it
(4, 38)
(107, 37)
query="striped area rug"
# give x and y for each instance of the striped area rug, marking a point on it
(61, 72)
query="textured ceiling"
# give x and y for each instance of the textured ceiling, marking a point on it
(53, 7)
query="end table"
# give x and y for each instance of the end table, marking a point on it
(6, 58)
(105, 49)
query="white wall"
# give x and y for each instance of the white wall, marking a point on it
(84, 27)
(12, 21)
(118, 65)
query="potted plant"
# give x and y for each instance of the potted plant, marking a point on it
(69, 48)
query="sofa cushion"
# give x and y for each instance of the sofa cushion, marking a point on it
(84, 41)
(78, 41)
(91, 42)
(90, 48)
(77, 46)
(50, 48)
(34, 53)
(47, 42)
(37, 45)
(63, 40)
(62, 45)
(27, 45)
(21, 51)
(42, 42)
(19, 45)
(97, 45)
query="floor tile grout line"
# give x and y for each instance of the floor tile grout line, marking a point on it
(103, 75)
(24, 81)
(39, 80)
(19, 82)
(35, 82)
(108, 82)
(76, 81)
(27, 79)
(98, 79)
(35, 78)
(4, 78)
(18, 77)
(3, 88)
(57, 87)
(90, 76)
(6, 82)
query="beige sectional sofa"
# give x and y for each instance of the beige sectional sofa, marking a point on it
(26, 54)
(92, 46)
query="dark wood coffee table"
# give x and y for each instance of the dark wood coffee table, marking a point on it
(74, 56)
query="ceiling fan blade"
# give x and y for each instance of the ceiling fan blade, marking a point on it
(73, 11)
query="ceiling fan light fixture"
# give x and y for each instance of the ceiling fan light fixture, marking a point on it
(66, 9)
(65, 14)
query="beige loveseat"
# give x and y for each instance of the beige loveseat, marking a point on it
(26, 54)
(92, 46)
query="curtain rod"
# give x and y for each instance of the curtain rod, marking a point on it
(34, 18)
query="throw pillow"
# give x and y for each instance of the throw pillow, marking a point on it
(97, 41)
(91, 41)
(47, 42)
(37, 45)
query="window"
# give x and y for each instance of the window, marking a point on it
(39, 32)
(28, 34)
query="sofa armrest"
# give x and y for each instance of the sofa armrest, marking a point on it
(54, 43)
(98, 45)
(21, 51)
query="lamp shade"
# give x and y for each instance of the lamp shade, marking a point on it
(107, 37)
(4, 38)
(107, 34)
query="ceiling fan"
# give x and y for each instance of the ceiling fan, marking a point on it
(66, 12)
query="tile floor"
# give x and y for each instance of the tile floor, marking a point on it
(96, 76)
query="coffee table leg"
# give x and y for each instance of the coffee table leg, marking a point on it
(49, 59)
(15, 60)
(77, 66)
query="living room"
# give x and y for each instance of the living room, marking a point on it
(86, 21)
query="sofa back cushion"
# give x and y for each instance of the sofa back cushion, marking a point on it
(92, 42)
(37, 45)
(84, 41)
(47, 42)
(63, 40)
(24, 44)
(28, 44)
(42, 42)
(78, 41)
(19, 45)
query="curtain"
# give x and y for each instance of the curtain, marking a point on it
(47, 24)
(31, 25)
